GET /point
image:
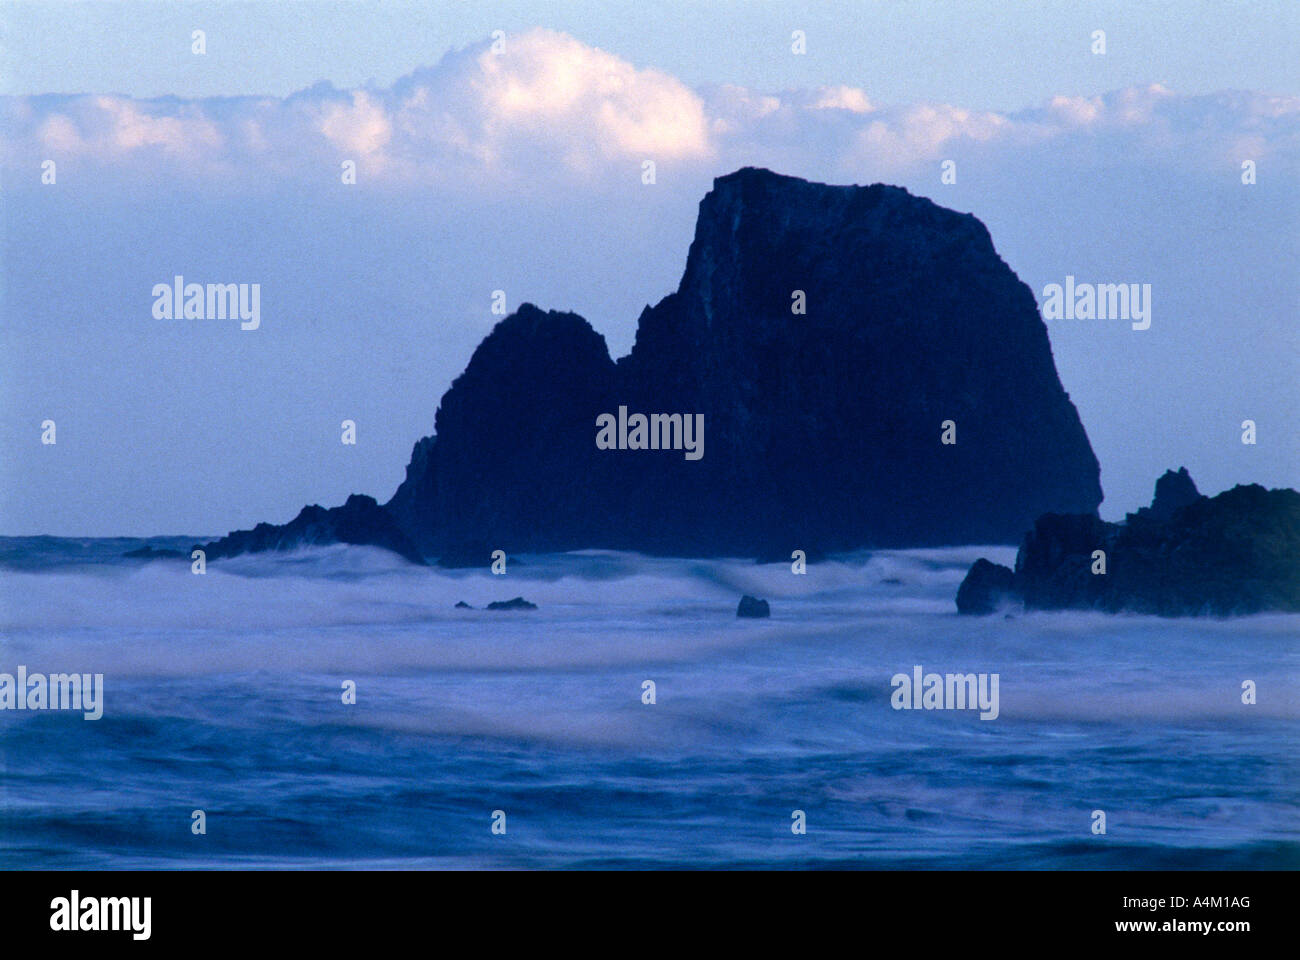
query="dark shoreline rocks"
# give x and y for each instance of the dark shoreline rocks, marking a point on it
(1186, 555)
(360, 521)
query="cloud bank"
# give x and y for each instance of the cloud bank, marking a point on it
(532, 107)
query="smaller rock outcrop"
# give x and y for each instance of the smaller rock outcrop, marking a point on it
(987, 586)
(1173, 492)
(518, 603)
(360, 521)
(753, 607)
(1186, 555)
(148, 552)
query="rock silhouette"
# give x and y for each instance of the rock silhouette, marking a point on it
(1232, 554)
(821, 428)
(986, 587)
(1173, 492)
(150, 552)
(518, 603)
(359, 521)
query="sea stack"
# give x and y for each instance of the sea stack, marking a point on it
(868, 370)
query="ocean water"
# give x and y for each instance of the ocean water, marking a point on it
(223, 693)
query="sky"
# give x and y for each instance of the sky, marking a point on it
(994, 54)
(518, 167)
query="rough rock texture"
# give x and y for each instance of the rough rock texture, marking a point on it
(359, 521)
(1236, 553)
(987, 586)
(822, 430)
(753, 607)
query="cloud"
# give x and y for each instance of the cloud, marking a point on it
(112, 128)
(923, 132)
(541, 105)
(360, 127)
(841, 98)
(548, 85)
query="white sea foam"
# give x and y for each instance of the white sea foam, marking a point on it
(847, 625)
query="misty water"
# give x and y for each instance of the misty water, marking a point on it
(223, 693)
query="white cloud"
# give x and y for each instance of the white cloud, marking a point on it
(1077, 111)
(361, 126)
(548, 106)
(550, 84)
(111, 128)
(842, 98)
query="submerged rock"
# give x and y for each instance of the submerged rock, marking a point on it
(753, 607)
(462, 605)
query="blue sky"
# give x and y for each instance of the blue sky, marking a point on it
(521, 171)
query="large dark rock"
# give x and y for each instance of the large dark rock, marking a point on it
(987, 586)
(516, 461)
(359, 521)
(1233, 554)
(821, 429)
(753, 607)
